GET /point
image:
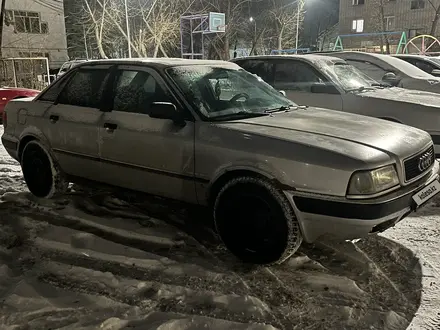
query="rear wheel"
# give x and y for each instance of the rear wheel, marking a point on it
(256, 222)
(43, 176)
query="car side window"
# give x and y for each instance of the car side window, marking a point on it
(371, 70)
(425, 66)
(85, 88)
(296, 75)
(135, 91)
(52, 92)
(263, 69)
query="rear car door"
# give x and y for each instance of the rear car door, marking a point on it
(143, 153)
(297, 78)
(71, 122)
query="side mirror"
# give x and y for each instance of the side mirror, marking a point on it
(166, 110)
(436, 72)
(322, 88)
(283, 93)
(391, 78)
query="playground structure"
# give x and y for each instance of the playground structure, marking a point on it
(197, 27)
(400, 47)
(427, 42)
(421, 44)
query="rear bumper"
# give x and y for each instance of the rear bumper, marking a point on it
(11, 146)
(322, 216)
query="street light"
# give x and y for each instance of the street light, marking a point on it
(299, 5)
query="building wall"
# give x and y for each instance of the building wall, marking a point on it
(35, 28)
(412, 21)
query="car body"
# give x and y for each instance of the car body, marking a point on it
(429, 64)
(330, 82)
(271, 172)
(390, 70)
(10, 93)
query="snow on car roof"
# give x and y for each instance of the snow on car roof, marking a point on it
(308, 57)
(160, 62)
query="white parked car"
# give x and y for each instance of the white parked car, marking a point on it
(330, 82)
(390, 70)
(272, 173)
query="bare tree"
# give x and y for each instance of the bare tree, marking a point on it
(435, 4)
(286, 18)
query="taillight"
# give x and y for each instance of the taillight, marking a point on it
(5, 119)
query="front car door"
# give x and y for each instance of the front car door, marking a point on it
(143, 153)
(297, 78)
(72, 119)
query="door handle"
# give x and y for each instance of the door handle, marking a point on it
(54, 118)
(110, 127)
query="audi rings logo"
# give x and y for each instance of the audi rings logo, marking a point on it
(425, 161)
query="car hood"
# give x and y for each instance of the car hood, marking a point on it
(403, 95)
(349, 134)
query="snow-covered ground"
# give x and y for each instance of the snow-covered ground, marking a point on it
(95, 259)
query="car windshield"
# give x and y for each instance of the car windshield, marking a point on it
(219, 92)
(351, 78)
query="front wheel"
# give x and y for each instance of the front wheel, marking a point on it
(42, 174)
(256, 222)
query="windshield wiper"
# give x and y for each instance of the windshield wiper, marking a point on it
(239, 115)
(284, 108)
(380, 85)
(360, 89)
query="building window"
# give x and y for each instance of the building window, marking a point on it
(358, 25)
(389, 23)
(358, 2)
(417, 4)
(27, 22)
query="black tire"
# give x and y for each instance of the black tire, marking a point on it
(256, 221)
(42, 174)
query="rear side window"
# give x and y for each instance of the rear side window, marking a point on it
(85, 88)
(52, 92)
(371, 70)
(263, 69)
(296, 75)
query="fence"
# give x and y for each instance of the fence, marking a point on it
(26, 72)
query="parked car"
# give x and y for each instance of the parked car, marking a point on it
(69, 65)
(390, 70)
(330, 82)
(429, 64)
(10, 93)
(271, 172)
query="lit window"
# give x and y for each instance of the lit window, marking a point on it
(358, 25)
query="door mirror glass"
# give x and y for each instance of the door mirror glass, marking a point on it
(323, 88)
(436, 72)
(166, 110)
(391, 79)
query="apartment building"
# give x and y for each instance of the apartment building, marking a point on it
(35, 28)
(358, 17)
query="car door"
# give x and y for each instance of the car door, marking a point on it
(143, 153)
(297, 79)
(71, 122)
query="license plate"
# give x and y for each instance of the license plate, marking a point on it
(427, 193)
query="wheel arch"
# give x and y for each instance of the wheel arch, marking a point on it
(224, 177)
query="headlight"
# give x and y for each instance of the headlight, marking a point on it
(372, 182)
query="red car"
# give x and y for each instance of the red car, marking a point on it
(9, 93)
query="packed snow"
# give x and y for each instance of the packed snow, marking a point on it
(97, 259)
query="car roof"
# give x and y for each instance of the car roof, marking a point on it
(160, 62)
(314, 58)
